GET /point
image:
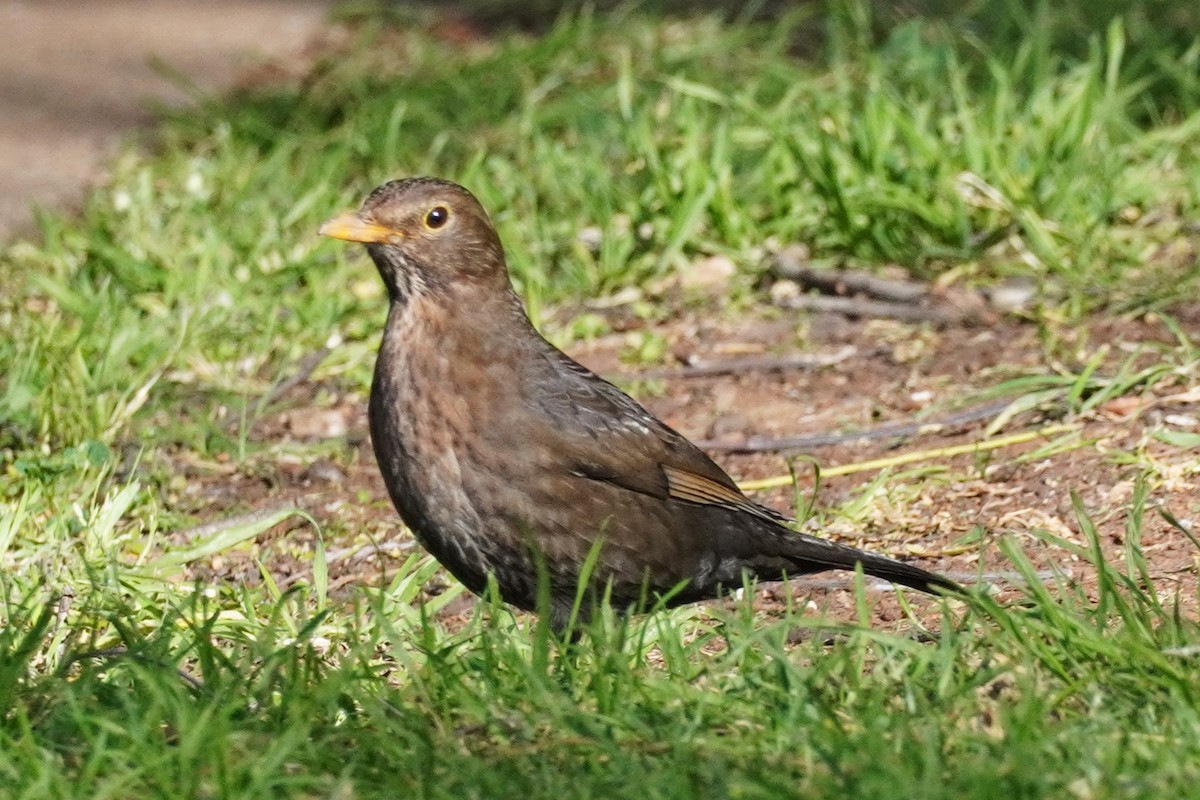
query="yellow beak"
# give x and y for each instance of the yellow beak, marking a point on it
(349, 226)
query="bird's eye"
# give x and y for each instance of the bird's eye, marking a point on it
(437, 217)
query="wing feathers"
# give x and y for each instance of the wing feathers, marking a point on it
(685, 485)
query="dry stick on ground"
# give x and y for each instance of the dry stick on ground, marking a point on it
(732, 366)
(877, 309)
(972, 448)
(846, 281)
(763, 444)
(856, 293)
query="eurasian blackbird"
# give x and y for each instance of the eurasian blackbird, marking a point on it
(508, 458)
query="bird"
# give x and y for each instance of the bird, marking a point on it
(511, 461)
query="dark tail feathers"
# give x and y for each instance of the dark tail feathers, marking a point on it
(810, 554)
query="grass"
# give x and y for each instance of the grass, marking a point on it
(141, 341)
(1065, 695)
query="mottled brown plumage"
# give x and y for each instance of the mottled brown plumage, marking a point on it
(498, 450)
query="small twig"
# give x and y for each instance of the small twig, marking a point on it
(891, 430)
(856, 293)
(920, 455)
(732, 366)
(847, 281)
(876, 309)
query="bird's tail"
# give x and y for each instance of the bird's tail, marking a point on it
(810, 554)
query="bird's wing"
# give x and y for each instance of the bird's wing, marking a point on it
(606, 435)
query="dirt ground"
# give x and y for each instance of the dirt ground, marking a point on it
(947, 517)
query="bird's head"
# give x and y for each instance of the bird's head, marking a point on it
(424, 234)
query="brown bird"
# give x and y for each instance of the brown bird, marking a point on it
(508, 458)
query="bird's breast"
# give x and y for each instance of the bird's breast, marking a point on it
(431, 406)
